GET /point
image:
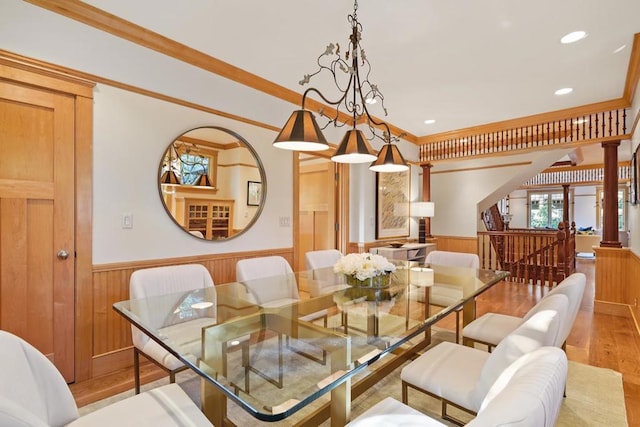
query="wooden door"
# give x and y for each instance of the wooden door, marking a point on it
(317, 206)
(37, 283)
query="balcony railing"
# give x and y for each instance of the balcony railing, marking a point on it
(601, 126)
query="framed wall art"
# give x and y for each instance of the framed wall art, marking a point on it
(392, 204)
(254, 193)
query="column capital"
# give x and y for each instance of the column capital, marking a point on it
(614, 143)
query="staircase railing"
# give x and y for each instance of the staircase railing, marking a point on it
(530, 255)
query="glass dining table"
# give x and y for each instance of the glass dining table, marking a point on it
(305, 343)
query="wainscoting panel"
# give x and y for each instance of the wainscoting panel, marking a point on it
(457, 244)
(612, 275)
(112, 333)
(633, 285)
(443, 243)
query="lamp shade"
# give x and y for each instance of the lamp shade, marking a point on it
(421, 276)
(354, 148)
(389, 160)
(301, 133)
(423, 209)
(169, 177)
(203, 181)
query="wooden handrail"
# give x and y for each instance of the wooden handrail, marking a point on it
(530, 255)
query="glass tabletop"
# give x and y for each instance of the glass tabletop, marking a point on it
(274, 345)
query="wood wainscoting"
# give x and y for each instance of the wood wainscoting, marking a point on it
(443, 243)
(457, 244)
(633, 285)
(612, 274)
(617, 290)
(111, 333)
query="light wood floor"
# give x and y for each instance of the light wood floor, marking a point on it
(596, 339)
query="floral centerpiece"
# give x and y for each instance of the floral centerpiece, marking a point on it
(365, 270)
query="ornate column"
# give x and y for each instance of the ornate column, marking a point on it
(426, 195)
(610, 204)
(565, 203)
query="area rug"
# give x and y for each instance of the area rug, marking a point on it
(595, 397)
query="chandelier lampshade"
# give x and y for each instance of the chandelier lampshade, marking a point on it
(169, 177)
(389, 160)
(203, 181)
(301, 133)
(354, 148)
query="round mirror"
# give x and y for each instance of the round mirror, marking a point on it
(212, 183)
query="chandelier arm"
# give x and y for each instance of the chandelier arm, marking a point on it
(313, 89)
(387, 135)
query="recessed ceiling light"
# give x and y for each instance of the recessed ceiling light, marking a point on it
(430, 121)
(573, 37)
(564, 91)
(620, 49)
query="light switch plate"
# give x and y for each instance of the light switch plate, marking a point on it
(127, 220)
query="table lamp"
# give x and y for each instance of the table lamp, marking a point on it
(421, 276)
(422, 210)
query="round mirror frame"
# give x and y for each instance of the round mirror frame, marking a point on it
(259, 165)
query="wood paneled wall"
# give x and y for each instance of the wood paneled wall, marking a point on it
(112, 333)
(457, 244)
(612, 274)
(443, 243)
(633, 285)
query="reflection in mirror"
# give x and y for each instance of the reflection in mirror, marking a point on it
(204, 180)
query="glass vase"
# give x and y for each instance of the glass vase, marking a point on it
(381, 281)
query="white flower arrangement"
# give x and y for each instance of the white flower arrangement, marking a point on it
(363, 266)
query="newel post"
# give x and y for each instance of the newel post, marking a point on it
(563, 251)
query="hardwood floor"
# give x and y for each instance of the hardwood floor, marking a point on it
(597, 339)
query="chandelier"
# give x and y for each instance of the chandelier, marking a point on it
(302, 133)
(188, 167)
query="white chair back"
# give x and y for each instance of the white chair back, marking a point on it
(573, 287)
(453, 259)
(256, 273)
(528, 393)
(321, 259)
(32, 391)
(176, 280)
(324, 279)
(540, 330)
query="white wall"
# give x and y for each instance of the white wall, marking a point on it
(462, 190)
(584, 206)
(518, 208)
(130, 134)
(362, 205)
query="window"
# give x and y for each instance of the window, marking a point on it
(622, 197)
(545, 209)
(192, 166)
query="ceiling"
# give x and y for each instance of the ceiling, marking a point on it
(462, 63)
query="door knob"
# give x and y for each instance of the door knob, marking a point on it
(62, 254)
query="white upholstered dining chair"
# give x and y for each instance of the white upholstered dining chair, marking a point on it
(321, 258)
(177, 280)
(33, 393)
(271, 283)
(491, 328)
(443, 295)
(528, 393)
(281, 291)
(325, 281)
(462, 376)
